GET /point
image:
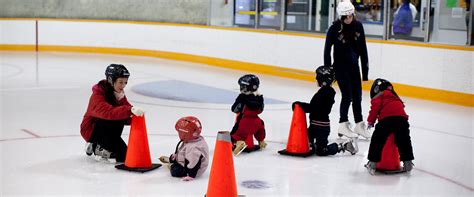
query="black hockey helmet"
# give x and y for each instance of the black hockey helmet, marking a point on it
(249, 83)
(115, 71)
(379, 86)
(325, 75)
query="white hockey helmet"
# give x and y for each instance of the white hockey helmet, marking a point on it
(345, 8)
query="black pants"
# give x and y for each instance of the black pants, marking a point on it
(350, 85)
(400, 128)
(177, 170)
(320, 134)
(107, 134)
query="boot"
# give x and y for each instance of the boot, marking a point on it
(239, 147)
(89, 148)
(361, 129)
(371, 167)
(407, 166)
(351, 146)
(164, 159)
(102, 152)
(345, 129)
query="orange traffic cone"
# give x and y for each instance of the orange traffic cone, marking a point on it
(138, 153)
(222, 178)
(298, 144)
(390, 160)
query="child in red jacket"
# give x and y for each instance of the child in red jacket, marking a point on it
(319, 109)
(107, 113)
(388, 109)
(247, 106)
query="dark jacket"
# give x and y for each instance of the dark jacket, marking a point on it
(320, 105)
(101, 106)
(247, 108)
(385, 104)
(347, 50)
(252, 102)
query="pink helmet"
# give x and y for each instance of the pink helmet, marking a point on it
(188, 128)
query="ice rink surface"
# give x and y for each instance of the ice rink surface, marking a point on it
(44, 96)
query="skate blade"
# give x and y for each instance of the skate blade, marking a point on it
(365, 138)
(371, 171)
(238, 151)
(104, 160)
(340, 136)
(392, 171)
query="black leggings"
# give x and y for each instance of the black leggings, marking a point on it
(107, 134)
(321, 134)
(400, 128)
(350, 85)
(177, 170)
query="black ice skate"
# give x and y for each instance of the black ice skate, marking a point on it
(89, 148)
(103, 153)
(407, 166)
(371, 167)
(350, 146)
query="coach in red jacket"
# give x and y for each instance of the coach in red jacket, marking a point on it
(107, 113)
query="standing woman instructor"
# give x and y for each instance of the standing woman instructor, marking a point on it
(348, 38)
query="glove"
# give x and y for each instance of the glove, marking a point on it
(294, 103)
(262, 144)
(164, 159)
(187, 178)
(137, 111)
(172, 158)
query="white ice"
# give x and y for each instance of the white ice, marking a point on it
(44, 96)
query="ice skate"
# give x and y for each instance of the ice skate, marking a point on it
(361, 129)
(407, 166)
(102, 152)
(371, 167)
(89, 148)
(351, 146)
(239, 147)
(164, 159)
(345, 129)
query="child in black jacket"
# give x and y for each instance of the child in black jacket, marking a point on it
(319, 109)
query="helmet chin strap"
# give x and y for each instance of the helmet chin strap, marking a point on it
(109, 79)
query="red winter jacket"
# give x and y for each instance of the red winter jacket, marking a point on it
(247, 126)
(385, 105)
(99, 108)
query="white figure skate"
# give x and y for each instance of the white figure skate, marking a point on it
(345, 129)
(361, 129)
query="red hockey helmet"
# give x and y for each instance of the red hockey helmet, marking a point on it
(188, 128)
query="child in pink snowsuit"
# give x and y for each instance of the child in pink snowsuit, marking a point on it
(191, 156)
